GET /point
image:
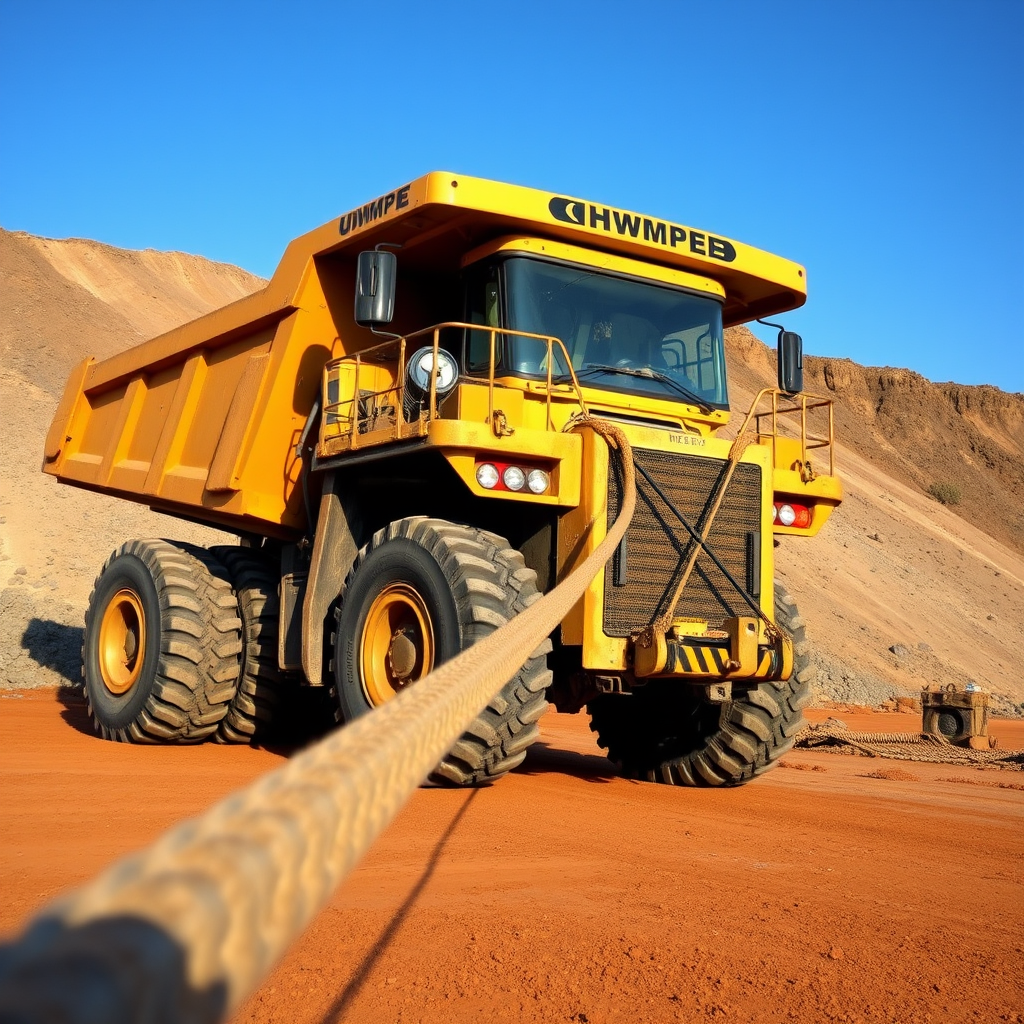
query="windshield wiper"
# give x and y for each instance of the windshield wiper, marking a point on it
(647, 373)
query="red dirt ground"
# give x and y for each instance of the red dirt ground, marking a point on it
(836, 888)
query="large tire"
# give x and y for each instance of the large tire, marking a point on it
(668, 732)
(789, 618)
(161, 648)
(419, 593)
(255, 710)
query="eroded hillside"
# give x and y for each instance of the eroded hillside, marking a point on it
(61, 300)
(918, 432)
(898, 590)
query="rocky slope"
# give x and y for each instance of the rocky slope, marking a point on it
(61, 300)
(898, 590)
(918, 432)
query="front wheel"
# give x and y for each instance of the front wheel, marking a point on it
(667, 731)
(420, 592)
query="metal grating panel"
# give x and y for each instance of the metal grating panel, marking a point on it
(656, 542)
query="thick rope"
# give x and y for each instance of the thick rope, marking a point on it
(902, 746)
(185, 930)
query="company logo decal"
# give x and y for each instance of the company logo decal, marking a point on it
(363, 215)
(569, 210)
(632, 225)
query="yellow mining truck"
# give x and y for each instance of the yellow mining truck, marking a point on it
(408, 470)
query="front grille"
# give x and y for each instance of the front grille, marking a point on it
(656, 542)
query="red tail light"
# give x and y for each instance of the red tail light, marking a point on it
(788, 513)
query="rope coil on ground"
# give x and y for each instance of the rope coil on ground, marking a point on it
(902, 746)
(186, 930)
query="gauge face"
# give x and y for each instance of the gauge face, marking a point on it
(422, 367)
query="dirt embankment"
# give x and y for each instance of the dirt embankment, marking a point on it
(900, 591)
(64, 299)
(61, 301)
(918, 432)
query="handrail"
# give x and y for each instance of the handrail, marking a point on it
(359, 359)
(800, 405)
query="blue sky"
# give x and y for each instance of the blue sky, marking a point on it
(879, 143)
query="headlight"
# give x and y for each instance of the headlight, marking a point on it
(421, 367)
(787, 516)
(514, 478)
(538, 481)
(487, 475)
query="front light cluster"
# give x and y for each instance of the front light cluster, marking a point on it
(503, 476)
(786, 513)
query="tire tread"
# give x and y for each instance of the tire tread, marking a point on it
(199, 645)
(754, 730)
(490, 584)
(262, 688)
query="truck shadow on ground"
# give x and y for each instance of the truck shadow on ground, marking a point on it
(361, 974)
(55, 646)
(310, 723)
(75, 713)
(543, 759)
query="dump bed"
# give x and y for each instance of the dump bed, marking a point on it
(205, 421)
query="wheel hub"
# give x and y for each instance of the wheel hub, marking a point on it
(397, 645)
(402, 655)
(122, 644)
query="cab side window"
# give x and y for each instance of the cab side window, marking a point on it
(483, 306)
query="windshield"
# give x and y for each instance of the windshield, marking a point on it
(621, 334)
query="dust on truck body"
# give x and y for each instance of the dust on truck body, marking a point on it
(407, 472)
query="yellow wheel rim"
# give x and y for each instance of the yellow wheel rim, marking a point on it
(122, 642)
(397, 645)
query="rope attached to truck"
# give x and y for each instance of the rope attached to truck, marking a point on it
(903, 746)
(185, 930)
(698, 543)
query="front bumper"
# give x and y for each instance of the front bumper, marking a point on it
(736, 655)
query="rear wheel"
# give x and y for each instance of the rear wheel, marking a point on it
(668, 732)
(255, 710)
(419, 593)
(161, 647)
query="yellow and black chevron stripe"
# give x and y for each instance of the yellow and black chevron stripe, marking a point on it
(707, 660)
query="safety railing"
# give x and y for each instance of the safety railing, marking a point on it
(792, 412)
(184, 931)
(377, 415)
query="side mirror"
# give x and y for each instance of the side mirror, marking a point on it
(791, 362)
(376, 275)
